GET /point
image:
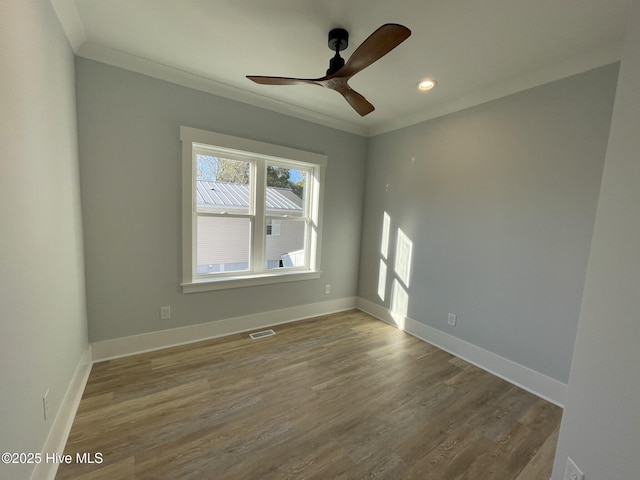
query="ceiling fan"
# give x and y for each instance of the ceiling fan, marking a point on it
(377, 45)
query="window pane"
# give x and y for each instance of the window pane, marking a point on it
(223, 244)
(285, 243)
(222, 185)
(286, 190)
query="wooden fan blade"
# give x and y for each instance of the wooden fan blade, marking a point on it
(376, 46)
(357, 101)
(282, 80)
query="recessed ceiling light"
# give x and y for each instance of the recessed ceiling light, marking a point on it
(427, 84)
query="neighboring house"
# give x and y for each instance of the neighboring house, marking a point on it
(223, 242)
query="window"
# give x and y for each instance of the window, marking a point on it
(251, 212)
(273, 227)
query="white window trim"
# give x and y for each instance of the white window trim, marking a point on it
(192, 137)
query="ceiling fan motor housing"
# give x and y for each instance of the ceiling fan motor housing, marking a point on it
(338, 39)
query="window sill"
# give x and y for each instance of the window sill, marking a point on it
(241, 281)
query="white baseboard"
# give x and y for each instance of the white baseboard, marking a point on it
(537, 383)
(120, 347)
(61, 425)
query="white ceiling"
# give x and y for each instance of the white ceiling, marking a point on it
(476, 50)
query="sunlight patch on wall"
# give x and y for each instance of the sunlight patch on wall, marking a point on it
(399, 304)
(401, 272)
(384, 250)
(386, 227)
(382, 280)
(404, 250)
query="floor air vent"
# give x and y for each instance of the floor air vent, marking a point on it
(264, 333)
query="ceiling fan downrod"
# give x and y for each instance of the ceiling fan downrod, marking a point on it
(338, 41)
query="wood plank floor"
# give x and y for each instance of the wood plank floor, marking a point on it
(342, 396)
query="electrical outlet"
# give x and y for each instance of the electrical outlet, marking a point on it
(165, 313)
(451, 320)
(573, 472)
(45, 405)
(327, 289)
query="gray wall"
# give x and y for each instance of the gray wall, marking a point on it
(499, 201)
(601, 424)
(130, 156)
(498, 198)
(43, 331)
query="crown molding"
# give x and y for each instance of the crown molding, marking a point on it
(71, 23)
(579, 64)
(153, 69)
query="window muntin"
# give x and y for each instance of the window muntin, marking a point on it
(250, 214)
